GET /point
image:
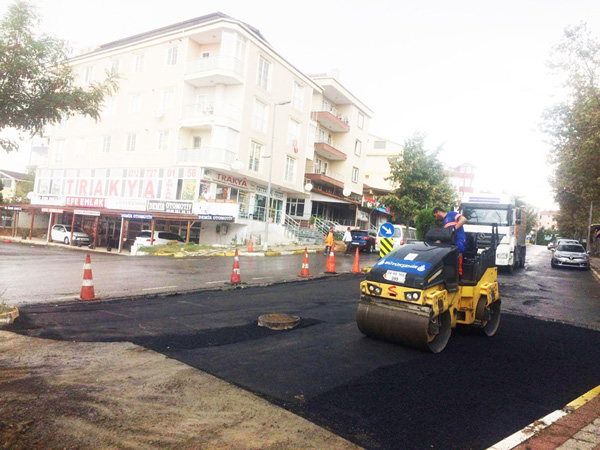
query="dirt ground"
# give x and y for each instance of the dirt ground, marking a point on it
(66, 395)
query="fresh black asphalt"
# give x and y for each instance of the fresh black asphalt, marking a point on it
(376, 394)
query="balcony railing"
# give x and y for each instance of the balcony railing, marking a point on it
(210, 110)
(228, 63)
(206, 155)
(331, 149)
(320, 171)
(330, 109)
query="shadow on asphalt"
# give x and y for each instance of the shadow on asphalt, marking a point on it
(376, 394)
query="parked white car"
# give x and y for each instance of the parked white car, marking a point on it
(62, 233)
(160, 238)
(399, 237)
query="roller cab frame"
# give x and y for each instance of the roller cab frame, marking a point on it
(415, 295)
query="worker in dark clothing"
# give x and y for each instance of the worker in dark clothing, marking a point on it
(455, 221)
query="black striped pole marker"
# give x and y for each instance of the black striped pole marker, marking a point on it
(386, 245)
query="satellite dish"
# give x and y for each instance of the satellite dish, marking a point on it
(308, 187)
(237, 165)
(30, 195)
(346, 192)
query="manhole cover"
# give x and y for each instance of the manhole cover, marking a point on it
(278, 321)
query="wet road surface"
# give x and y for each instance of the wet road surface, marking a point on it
(376, 394)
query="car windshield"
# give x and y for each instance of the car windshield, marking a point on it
(571, 248)
(75, 229)
(485, 216)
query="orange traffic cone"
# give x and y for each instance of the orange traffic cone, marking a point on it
(304, 272)
(330, 266)
(87, 288)
(250, 245)
(235, 273)
(356, 266)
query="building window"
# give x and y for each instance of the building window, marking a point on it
(59, 151)
(138, 62)
(259, 120)
(254, 159)
(293, 133)
(110, 106)
(114, 67)
(131, 137)
(168, 96)
(205, 54)
(355, 175)
(379, 144)
(135, 101)
(106, 144)
(290, 170)
(172, 56)
(264, 73)
(298, 96)
(357, 148)
(79, 147)
(163, 141)
(89, 73)
(312, 135)
(360, 121)
(197, 142)
(294, 207)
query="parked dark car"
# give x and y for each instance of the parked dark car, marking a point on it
(364, 240)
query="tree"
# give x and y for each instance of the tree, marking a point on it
(424, 222)
(37, 84)
(23, 188)
(421, 181)
(573, 127)
(531, 218)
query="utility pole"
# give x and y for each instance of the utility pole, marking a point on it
(588, 246)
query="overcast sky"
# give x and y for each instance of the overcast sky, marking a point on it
(471, 74)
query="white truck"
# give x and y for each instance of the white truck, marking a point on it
(484, 210)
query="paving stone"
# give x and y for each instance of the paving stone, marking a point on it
(574, 444)
(587, 436)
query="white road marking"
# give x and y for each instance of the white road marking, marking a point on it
(261, 278)
(155, 288)
(68, 296)
(214, 282)
(529, 431)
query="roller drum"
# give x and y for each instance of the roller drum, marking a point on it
(403, 326)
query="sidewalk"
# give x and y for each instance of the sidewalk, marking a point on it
(595, 263)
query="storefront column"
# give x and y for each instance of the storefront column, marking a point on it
(96, 231)
(189, 227)
(15, 224)
(152, 233)
(123, 235)
(49, 227)
(31, 227)
(72, 227)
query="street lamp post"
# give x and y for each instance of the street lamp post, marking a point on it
(268, 204)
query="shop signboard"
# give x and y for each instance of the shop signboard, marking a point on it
(50, 200)
(86, 202)
(13, 208)
(217, 209)
(53, 210)
(136, 216)
(262, 190)
(232, 181)
(171, 207)
(127, 204)
(85, 212)
(216, 218)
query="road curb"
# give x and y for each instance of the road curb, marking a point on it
(536, 427)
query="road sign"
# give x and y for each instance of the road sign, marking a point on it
(386, 245)
(386, 230)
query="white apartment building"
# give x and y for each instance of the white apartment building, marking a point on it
(185, 145)
(377, 165)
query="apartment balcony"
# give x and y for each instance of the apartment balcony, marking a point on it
(330, 150)
(206, 115)
(317, 174)
(214, 70)
(206, 155)
(331, 119)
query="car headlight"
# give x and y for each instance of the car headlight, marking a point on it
(412, 296)
(502, 255)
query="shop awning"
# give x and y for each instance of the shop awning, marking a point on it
(324, 198)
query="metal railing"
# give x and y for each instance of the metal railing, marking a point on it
(311, 168)
(215, 63)
(206, 110)
(292, 226)
(206, 154)
(330, 109)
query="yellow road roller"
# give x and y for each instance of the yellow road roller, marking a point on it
(416, 295)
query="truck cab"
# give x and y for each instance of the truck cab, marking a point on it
(484, 210)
